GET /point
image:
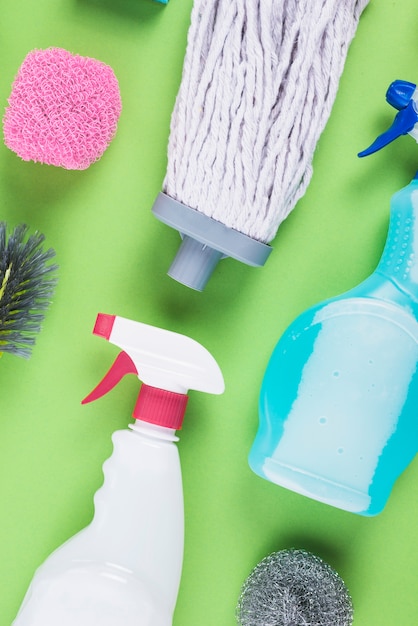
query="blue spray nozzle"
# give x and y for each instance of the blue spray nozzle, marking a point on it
(399, 95)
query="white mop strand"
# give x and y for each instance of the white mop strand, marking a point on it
(259, 81)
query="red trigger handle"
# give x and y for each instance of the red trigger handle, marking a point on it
(123, 365)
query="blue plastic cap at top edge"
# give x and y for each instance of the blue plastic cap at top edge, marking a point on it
(400, 93)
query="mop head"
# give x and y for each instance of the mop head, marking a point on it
(63, 109)
(259, 81)
(27, 283)
(294, 588)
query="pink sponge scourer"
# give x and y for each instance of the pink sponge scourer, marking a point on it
(63, 109)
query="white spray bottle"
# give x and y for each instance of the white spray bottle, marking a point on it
(124, 568)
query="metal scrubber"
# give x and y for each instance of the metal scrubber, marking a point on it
(294, 588)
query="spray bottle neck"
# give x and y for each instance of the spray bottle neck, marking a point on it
(153, 432)
(399, 261)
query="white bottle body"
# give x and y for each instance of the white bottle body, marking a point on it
(124, 568)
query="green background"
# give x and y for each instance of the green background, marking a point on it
(113, 256)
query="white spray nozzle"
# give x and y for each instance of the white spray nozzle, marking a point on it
(169, 364)
(163, 359)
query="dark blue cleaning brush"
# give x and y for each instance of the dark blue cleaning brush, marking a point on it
(27, 282)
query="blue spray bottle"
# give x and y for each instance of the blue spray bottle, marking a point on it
(339, 400)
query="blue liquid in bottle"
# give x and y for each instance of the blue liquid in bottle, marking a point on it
(339, 400)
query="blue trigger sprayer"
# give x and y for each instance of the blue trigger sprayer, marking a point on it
(338, 412)
(403, 96)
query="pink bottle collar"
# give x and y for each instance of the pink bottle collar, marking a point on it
(160, 407)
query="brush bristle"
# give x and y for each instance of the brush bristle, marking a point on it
(294, 588)
(27, 283)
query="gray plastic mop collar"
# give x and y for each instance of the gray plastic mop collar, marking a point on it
(205, 241)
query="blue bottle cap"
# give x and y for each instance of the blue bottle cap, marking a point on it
(400, 93)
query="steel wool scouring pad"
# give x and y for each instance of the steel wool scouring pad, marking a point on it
(294, 588)
(259, 81)
(27, 282)
(63, 109)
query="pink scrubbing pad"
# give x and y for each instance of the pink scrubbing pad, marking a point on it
(63, 109)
